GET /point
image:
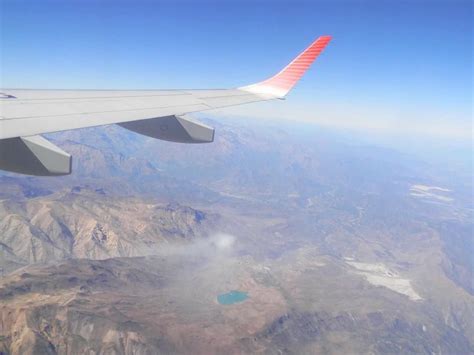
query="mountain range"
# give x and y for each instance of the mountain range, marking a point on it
(342, 246)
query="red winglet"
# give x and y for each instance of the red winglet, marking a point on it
(280, 84)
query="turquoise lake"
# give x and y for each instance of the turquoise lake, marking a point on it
(232, 297)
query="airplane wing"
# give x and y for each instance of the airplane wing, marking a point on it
(26, 114)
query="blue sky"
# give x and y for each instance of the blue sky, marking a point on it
(393, 66)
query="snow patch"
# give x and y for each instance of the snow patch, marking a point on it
(379, 275)
(430, 192)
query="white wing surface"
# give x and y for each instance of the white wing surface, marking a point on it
(156, 113)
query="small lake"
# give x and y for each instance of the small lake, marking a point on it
(232, 297)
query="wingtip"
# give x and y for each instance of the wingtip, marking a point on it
(280, 84)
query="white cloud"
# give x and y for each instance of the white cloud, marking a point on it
(216, 245)
(223, 242)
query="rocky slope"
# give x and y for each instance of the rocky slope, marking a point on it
(85, 223)
(168, 304)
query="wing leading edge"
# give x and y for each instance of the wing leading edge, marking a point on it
(26, 113)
